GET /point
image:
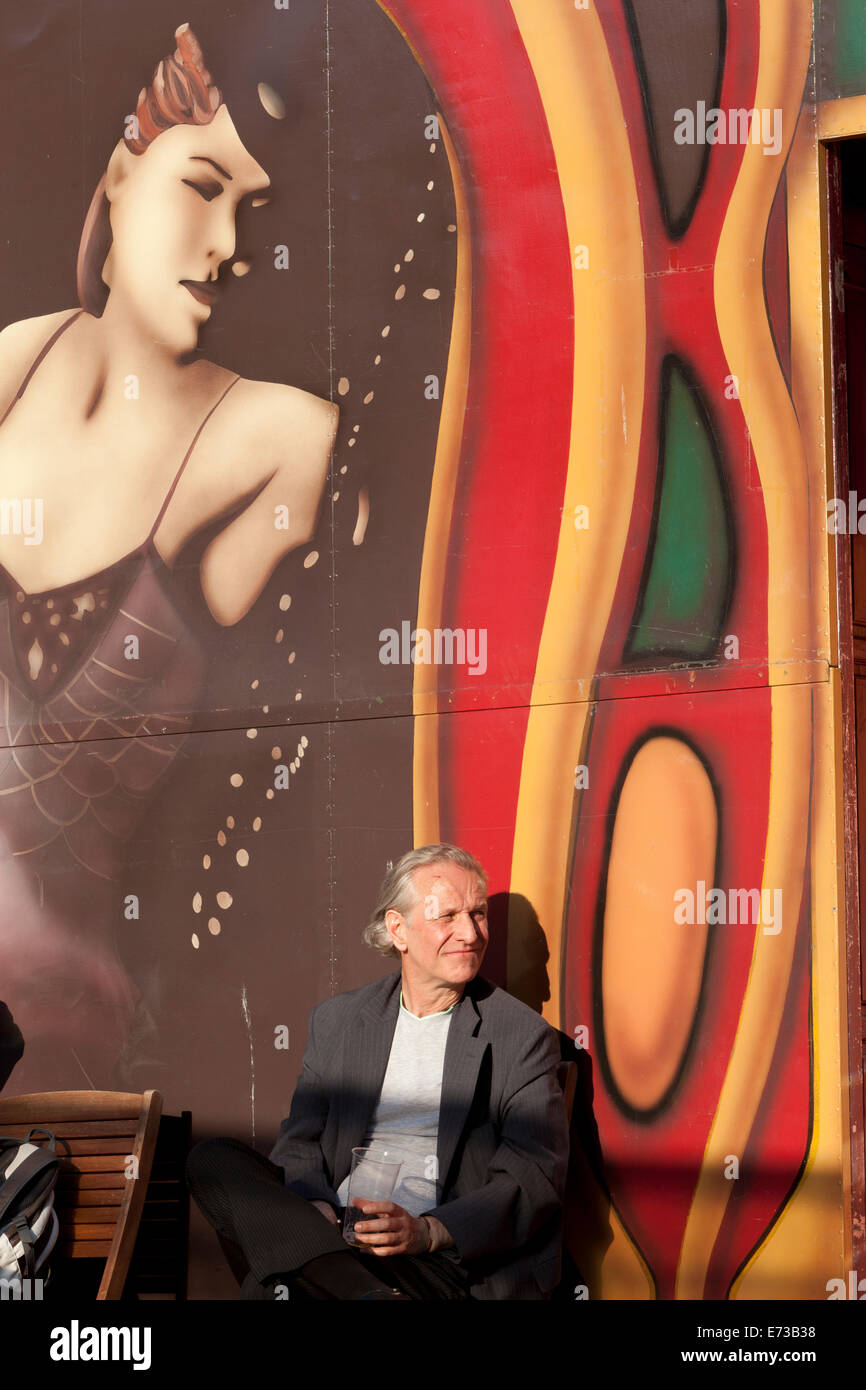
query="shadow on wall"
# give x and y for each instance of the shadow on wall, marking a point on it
(587, 1199)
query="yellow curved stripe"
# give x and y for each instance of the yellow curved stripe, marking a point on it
(425, 773)
(785, 39)
(431, 586)
(817, 1215)
(581, 102)
(578, 90)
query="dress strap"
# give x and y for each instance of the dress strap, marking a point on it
(187, 456)
(44, 353)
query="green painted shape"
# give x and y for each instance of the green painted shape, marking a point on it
(841, 31)
(686, 593)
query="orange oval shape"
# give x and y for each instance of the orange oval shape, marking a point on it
(664, 841)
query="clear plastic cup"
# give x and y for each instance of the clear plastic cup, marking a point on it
(372, 1177)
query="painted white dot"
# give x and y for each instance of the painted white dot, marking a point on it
(243, 858)
(452, 227)
(431, 294)
(254, 685)
(357, 428)
(236, 779)
(213, 926)
(297, 694)
(336, 496)
(270, 793)
(352, 443)
(230, 822)
(224, 899)
(386, 330)
(196, 902)
(420, 217)
(310, 560)
(433, 147)
(305, 742)
(430, 186)
(285, 603)
(276, 753)
(266, 709)
(205, 863)
(410, 255)
(369, 396)
(397, 268)
(257, 824)
(291, 657)
(401, 290)
(377, 359)
(279, 635)
(194, 940)
(343, 386)
(345, 468)
(252, 733)
(271, 101)
(221, 837)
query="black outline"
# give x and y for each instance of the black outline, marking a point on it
(675, 228)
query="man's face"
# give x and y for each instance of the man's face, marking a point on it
(443, 938)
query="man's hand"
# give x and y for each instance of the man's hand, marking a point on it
(327, 1210)
(390, 1230)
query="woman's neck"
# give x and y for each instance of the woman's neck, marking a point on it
(129, 365)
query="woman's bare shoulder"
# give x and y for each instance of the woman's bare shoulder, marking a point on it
(285, 422)
(20, 345)
(274, 401)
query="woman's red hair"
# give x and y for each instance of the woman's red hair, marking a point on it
(181, 92)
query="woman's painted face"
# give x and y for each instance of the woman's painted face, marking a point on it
(173, 221)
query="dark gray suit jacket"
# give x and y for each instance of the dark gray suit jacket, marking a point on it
(503, 1138)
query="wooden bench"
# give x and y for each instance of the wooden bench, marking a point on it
(105, 1143)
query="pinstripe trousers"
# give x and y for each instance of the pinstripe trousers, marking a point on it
(266, 1230)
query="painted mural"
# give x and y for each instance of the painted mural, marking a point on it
(428, 437)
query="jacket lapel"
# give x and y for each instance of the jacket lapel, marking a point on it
(366, 1048)
(463, 1054)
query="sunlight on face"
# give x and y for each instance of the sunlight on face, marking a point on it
(446, 932)
(173, 220)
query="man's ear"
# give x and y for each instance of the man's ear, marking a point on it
(119, 169)
(396, 924)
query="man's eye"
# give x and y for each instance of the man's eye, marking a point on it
(208, 190)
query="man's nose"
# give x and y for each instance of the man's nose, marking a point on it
(467, 927)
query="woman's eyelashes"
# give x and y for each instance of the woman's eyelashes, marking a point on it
(206, 188)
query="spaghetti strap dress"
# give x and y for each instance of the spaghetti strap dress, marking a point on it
(99, 679)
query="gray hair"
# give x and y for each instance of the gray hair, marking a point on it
(398, 889)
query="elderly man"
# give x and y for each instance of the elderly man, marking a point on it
(438, 1066)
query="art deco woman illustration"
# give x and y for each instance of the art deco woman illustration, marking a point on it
(123, 448)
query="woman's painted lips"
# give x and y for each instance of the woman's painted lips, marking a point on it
(205, 291)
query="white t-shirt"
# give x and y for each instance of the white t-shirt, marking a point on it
(406, 1118)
